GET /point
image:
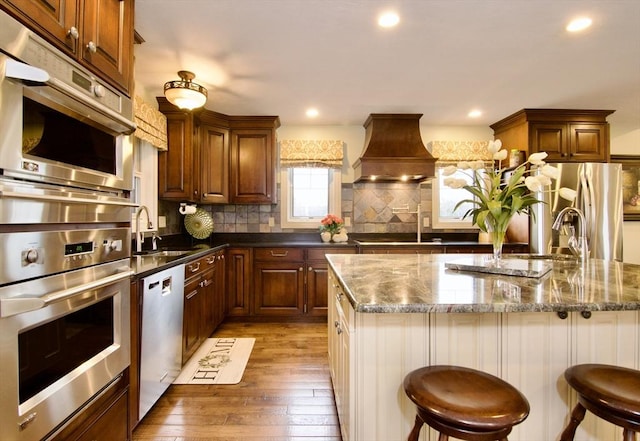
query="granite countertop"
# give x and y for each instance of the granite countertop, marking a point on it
(408, 283)
(148, 264)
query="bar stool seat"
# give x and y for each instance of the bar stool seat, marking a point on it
(464, 403)
(610, 392)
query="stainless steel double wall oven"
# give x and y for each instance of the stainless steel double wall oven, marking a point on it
(65, 237)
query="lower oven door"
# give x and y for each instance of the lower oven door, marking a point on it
(60, 346)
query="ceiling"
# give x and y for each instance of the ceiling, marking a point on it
(445, 58)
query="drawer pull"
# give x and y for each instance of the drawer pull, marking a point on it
(211, 259)
(196, 269)
(191, 294)
(279, 254)
(206, 283)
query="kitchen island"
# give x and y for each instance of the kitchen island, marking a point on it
(390, 314)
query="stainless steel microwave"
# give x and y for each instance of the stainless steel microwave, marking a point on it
(59, 123)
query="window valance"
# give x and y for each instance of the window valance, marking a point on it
(151, 124)
(453, 151)
(311, 153)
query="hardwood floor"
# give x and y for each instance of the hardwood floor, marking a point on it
(285, 393)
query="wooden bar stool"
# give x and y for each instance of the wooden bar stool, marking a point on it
(464, 403)
(610, 392)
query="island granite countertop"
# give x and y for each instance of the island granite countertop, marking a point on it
(410, 283)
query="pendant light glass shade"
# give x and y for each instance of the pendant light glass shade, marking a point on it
(184, 93)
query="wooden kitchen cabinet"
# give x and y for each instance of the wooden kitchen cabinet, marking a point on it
(278, 281)
(96, 33)
(238, 281)
(217, 159)
(203, 301)
(175, 165)
(317, 269)
(253, 165)
(566, 135)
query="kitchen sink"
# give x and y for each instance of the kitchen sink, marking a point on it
(168, 253)
(163, 253)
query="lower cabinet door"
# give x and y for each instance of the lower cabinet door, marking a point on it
(112, 425)
(279, 288)
(192, 319)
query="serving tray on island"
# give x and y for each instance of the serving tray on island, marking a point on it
(508, 267)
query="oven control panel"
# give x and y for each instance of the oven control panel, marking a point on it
(37, 254)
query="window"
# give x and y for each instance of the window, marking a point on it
(308, 195)
(444, 200)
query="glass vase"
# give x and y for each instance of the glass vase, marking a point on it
(498, 231)
(497, 240)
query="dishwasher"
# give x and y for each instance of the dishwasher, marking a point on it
(161, 337)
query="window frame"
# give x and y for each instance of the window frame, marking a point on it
(436, 221)
(335, 199)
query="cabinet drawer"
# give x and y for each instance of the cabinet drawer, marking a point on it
(279, 254)
(200, 265)
(319, 253)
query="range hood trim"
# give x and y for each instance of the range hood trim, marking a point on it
(393, 150)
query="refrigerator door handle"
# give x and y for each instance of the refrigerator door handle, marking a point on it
(587, 201)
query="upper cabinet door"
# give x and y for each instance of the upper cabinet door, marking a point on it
(96, 33)
(252, 166)
(57, 20)
(107, 38)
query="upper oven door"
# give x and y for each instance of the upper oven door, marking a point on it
(59, 123)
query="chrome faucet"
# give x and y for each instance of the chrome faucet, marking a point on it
(418, 212)
(140, 234)
(578, 246)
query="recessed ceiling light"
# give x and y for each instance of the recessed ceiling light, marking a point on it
(579, 24)
(474, 113)
(388, 19)
(312, 112)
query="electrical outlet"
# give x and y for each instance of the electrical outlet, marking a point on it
(347, 221)
(272, 222)
(425, 222)
(162, 221)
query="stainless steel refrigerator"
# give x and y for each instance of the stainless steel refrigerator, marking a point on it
(599, 197)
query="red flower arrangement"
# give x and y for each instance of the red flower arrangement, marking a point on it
(331, 223)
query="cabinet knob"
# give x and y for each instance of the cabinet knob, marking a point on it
(92, 47)
(563, 315)
(586, 314)
(339, 330)
(73, 33)
(300, 269)
(310, 268)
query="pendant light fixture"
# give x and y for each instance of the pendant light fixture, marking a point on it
(184, 93)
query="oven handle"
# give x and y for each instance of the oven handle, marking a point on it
(77, 200)
(19, 305)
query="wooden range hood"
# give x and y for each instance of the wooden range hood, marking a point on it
(393, 150)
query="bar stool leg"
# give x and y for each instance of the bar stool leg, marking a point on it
(415, 432)
(576, 418)
(628, 435)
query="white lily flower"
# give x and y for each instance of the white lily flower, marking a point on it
(533, 183)
(543, 180)
(550, 171)
(494, 146)
(567, 193)
(449, 170)
(464, 165)
(537, 158)
(500, 155)
(476, 165)
(455, 182)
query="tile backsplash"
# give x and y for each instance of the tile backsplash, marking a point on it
(368, 205)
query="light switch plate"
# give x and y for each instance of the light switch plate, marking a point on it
(162, 221)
